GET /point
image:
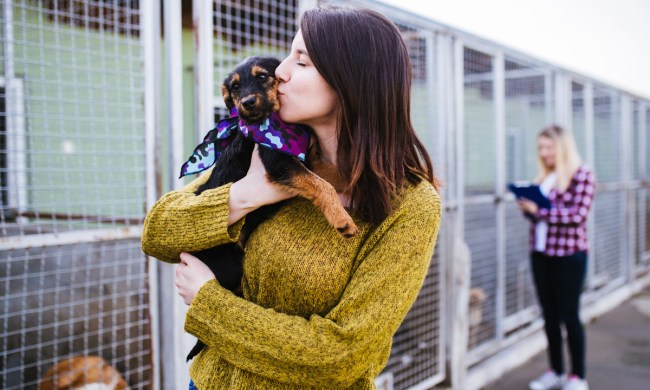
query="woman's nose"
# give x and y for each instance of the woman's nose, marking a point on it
(280, 72)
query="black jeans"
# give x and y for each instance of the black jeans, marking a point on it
(559, 282)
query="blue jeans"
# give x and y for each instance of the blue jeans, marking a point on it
(192, 387)
(559, 282)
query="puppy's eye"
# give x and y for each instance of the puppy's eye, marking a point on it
(262, 76)
(234, 87)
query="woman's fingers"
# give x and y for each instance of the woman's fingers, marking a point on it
(186, 258)
(191, 275)
(527, 205)
(256, 187)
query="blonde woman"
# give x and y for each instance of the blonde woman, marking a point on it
(559, 253)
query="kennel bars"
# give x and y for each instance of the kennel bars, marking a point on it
(89, 85)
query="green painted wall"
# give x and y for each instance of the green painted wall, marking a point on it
(84, 117)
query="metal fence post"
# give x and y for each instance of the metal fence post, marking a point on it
(627, 217)
(644, 130)
(500, 185)
(150, 42)
(461, 257)
(562, 98)
(203, 65)
(174, 343)
(589, 157)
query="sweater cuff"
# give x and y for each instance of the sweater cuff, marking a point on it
(219, 196)
(201, 313)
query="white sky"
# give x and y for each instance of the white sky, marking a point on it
(608, 40)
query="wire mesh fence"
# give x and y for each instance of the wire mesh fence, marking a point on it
(479, 119)
(72, 179)
(76, 111)
(72, 275)
(416, 356)
(65, 301)
(527, 91)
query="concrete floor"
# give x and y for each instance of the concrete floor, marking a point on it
(618, 351)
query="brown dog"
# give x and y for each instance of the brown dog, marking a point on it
(83, 373)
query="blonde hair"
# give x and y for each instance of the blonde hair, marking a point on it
(567, 158)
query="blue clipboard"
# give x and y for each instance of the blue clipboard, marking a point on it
(531, 192)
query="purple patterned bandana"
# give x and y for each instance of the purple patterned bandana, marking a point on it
(273, 133)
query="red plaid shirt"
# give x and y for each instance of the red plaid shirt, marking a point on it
(567, 217)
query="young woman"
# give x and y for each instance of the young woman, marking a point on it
(559, 253)
(318, 310)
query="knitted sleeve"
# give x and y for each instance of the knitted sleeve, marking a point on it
(336, 350)
(181, 221)
(576, 203)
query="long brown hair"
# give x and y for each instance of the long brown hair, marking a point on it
(361, 55)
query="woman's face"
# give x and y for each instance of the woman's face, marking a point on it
(305, 97)
(546, 150)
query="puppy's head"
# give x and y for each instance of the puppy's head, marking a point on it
(82, 372)
(253, 88)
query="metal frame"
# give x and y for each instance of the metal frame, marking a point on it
(150, 31)
(26, 248)
(626, 174)
(517, 334)
(499, 93)
(487, 348)
(15, 133)
(485, 354)
(203, 58)
(642, 186)
(15, 127)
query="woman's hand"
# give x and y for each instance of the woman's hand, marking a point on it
(253, 191)
(191, 275)
(527, 206)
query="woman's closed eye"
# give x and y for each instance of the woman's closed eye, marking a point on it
(301, 57)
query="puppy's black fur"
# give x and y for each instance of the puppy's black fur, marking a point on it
(252, 88)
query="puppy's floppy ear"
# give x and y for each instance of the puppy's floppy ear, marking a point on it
(270, 63)
(227, 97)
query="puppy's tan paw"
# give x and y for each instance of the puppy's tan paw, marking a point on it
(348, 230)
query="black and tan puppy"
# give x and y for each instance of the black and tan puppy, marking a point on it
(251, 88)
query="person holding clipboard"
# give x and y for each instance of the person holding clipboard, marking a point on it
(558, 204)
(527, 191)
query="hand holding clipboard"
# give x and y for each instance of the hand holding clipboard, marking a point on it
(531, 192)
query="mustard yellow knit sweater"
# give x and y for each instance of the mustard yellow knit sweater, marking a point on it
(319, 311)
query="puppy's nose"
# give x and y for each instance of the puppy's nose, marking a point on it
(249, 103)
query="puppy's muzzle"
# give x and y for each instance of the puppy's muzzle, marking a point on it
(249, 103)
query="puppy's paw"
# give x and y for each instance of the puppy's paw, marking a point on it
(348, 230)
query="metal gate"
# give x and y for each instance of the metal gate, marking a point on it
(73, 280)
(86, 147)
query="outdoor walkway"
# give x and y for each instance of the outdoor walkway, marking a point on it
(618, 351)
